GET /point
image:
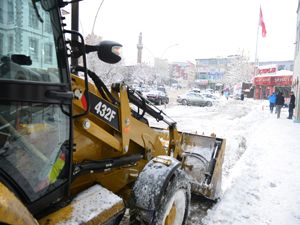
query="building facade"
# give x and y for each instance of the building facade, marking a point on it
(183, 73)
(295, 83)
(269, 79)
(209, 71)
(22, 33)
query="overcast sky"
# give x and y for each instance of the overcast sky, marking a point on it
(194, 28)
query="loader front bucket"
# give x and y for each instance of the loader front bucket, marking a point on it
(202, 160)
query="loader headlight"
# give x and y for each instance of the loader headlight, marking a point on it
(116, 50)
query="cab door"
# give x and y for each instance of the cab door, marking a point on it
(35, 104)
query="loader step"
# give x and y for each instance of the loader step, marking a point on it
(95, 205)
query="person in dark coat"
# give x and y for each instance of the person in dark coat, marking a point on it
(279, 104)
(291, 105)
(242, 96)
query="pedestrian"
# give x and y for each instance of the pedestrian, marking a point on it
(272, 101)
(279, 103)
(242, 96)
(291, 105)
(226, 94)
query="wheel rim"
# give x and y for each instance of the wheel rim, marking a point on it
(175, 210)
(171, 216)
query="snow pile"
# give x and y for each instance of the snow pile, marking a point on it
(89, 204)
(264, 184)
(261, 184)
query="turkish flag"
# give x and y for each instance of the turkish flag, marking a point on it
(262, 24)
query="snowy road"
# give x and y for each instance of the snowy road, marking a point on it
(261, 184)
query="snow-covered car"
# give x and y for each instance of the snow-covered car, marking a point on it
(195, 90)
(209, 90)
(192, 98)
(161, 88)
(157, 97)
(210, 96)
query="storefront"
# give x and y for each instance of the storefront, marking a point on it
(269, 80)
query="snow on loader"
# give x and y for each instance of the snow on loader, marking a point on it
(72, 150)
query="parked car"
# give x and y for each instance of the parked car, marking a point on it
(157, 97)
(161, 88)
(192, 98)
(195, 90)
(209, 90)
(210, 96)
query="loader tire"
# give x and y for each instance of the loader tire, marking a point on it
(174, 205)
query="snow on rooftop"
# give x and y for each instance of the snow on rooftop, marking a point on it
(284, 73)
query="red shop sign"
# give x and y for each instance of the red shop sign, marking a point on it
(274, 80)
(267, 70)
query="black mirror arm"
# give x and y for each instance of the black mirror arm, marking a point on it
(91, 48)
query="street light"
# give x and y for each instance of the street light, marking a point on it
(96, 16)
(171, 46)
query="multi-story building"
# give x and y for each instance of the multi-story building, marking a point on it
(183, 72)
(210, 70)
(281, 65)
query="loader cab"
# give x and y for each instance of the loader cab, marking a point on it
(35, 103)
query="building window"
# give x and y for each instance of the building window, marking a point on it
(10, 44)
(48, 28)
(33, 20)
(33, 48)
(48, 53)
(10, 12)
(1, 11)
(1, 44)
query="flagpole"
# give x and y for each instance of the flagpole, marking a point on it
(256, 62)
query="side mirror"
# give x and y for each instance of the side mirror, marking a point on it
(108, 51)
(21, 59)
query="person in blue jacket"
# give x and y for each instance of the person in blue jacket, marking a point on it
(272, 101)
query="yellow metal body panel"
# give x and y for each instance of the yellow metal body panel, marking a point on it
(12, 211)
(99, 141)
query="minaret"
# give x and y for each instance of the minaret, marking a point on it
(140, 49)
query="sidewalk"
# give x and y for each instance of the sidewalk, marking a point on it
(265, 183)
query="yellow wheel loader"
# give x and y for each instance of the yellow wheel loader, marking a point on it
(72, 150)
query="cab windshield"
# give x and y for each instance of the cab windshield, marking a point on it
(34, 136)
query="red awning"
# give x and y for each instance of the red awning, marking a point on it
(273, 80)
